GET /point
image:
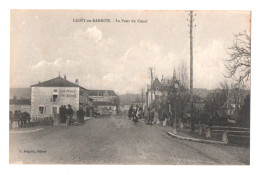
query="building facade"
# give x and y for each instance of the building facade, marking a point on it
(47, 97)
(105, 101)
(102, 95)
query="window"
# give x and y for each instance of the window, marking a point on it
(54, 98)
(110, 108)
(41, 109)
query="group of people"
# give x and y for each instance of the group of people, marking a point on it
(66, 114)
(23, 119)
(135, 113)
(150, 115)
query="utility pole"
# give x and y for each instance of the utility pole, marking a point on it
(151, 70)
(142, 98)
(191, 68)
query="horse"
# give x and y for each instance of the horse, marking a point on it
(22, 118)
(25, 116)
(11, 117)
(17, 117)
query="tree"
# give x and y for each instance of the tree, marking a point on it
(238, 66)
(224, 88)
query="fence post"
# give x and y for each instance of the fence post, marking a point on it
(200, 130)
(208, 133)
(225, 137)
(181, 125)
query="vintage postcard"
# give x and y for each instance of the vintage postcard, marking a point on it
(130, 87)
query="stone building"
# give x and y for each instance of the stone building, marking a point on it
(105, 108)
(48, 96)
(105, 100)
(102, 95)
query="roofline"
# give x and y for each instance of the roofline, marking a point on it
(101, 90)
(83, 88)
(62, 86)
(76, 85)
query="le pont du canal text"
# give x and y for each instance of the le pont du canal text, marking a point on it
(110, 20)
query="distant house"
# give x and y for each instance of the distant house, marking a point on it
(227, 111)
(24, 105)
(157, 91)
(109, 97)
(104, 107)
(48, 96)
(102, 95)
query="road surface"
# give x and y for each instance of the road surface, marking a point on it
(116, 140)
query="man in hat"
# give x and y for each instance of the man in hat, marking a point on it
(61, 114)
(80, 115)
(70, 113)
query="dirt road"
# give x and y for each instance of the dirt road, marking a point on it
(116, 140)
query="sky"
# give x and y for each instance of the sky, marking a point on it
(117, 55)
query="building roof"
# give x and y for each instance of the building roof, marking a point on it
(57, 82)
(102, 93)
(103, 103)
(226, 106)
(223, 111)
(157, 85)
(19, 102)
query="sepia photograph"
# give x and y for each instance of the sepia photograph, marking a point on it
(130, 87)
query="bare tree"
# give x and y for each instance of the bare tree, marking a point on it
(224, 86)
(239, 65)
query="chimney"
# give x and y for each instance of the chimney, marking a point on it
(65, 77)
(77, 82)
(162, 78)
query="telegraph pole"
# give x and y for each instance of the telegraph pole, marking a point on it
(191, 68)
(151, 70)
(142, 98)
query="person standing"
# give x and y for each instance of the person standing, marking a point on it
(151, 117)
(80, 115)
(61, 119)
(67, 118)
(70, 114)
(156, 116)
(135, 117)
(130, 112)
(64, 113)
(140, 112)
